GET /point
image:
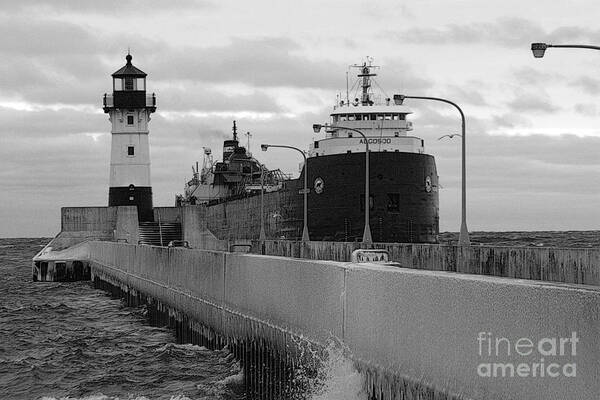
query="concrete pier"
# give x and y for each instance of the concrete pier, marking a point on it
(413, 334)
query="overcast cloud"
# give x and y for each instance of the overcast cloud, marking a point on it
(276, 68)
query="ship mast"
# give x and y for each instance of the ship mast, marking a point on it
(365, 74)
(234, 131)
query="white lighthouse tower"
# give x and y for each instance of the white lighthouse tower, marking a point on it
(129, 109)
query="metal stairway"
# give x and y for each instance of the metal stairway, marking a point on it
(159, 234)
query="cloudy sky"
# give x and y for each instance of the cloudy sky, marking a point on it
(533, 125)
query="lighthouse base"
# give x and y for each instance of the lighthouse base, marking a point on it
(139, 196)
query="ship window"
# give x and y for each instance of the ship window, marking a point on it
(349, 134)
(388, 117)
(393, 202)
(343, 117)
(372, 117)
(402, 117)
(351, 117)
(130, 150)
(380, 117)
(335, 118)
(316, 145)
(395, 117)
(128, 83)
(130, 120)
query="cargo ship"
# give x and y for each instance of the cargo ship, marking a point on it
(403, 182)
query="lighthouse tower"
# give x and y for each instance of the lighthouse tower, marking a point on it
(129, 109)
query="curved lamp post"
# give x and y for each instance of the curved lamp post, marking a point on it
(538, 49)
(367, 238)
(463, 238)
(264, 147)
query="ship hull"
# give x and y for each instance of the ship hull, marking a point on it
(404, 205)
(403, 191)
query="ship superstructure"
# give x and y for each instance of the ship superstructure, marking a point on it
(384, 122)
(237, 175)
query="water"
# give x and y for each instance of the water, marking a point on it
(578, 239)
(68, 340)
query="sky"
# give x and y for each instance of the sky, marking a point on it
(533, 125)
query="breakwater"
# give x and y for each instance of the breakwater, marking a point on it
(411, 334)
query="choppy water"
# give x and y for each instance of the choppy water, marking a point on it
(534, 239)
(68, 340)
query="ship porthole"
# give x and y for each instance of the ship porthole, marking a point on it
(428, 184)
(319, 185)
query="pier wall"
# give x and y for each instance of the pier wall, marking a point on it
(66, 257)
(412, 334)
(566, 265)
(101, 219)
(168, 214)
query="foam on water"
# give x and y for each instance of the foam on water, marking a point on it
(339, 379)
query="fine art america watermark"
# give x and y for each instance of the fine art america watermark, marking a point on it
(526, 357)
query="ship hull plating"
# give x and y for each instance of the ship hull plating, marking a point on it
(403, 192)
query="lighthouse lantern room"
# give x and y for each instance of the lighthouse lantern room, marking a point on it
(129, 109)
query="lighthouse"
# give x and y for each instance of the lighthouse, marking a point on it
(129, 109)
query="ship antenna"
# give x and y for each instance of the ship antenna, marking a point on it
(347, 90)
(234, 131)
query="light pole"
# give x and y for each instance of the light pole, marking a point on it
(262, 235)
(463, 238)
(264, 147)
(367, 238)
(538, 49)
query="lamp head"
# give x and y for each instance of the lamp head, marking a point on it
(317, 128)
(538, 49)
(264, 147)
(399, 99)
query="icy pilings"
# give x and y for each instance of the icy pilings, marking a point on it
(412, 334)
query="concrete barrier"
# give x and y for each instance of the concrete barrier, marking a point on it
(568, 265)
(88, 219)
(412, 333)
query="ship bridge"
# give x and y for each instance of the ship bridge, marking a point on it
(385, 126)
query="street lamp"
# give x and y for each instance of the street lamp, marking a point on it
(367, 238)
(463, 238)
(262, 236)
(264, 147)
(538, 49)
